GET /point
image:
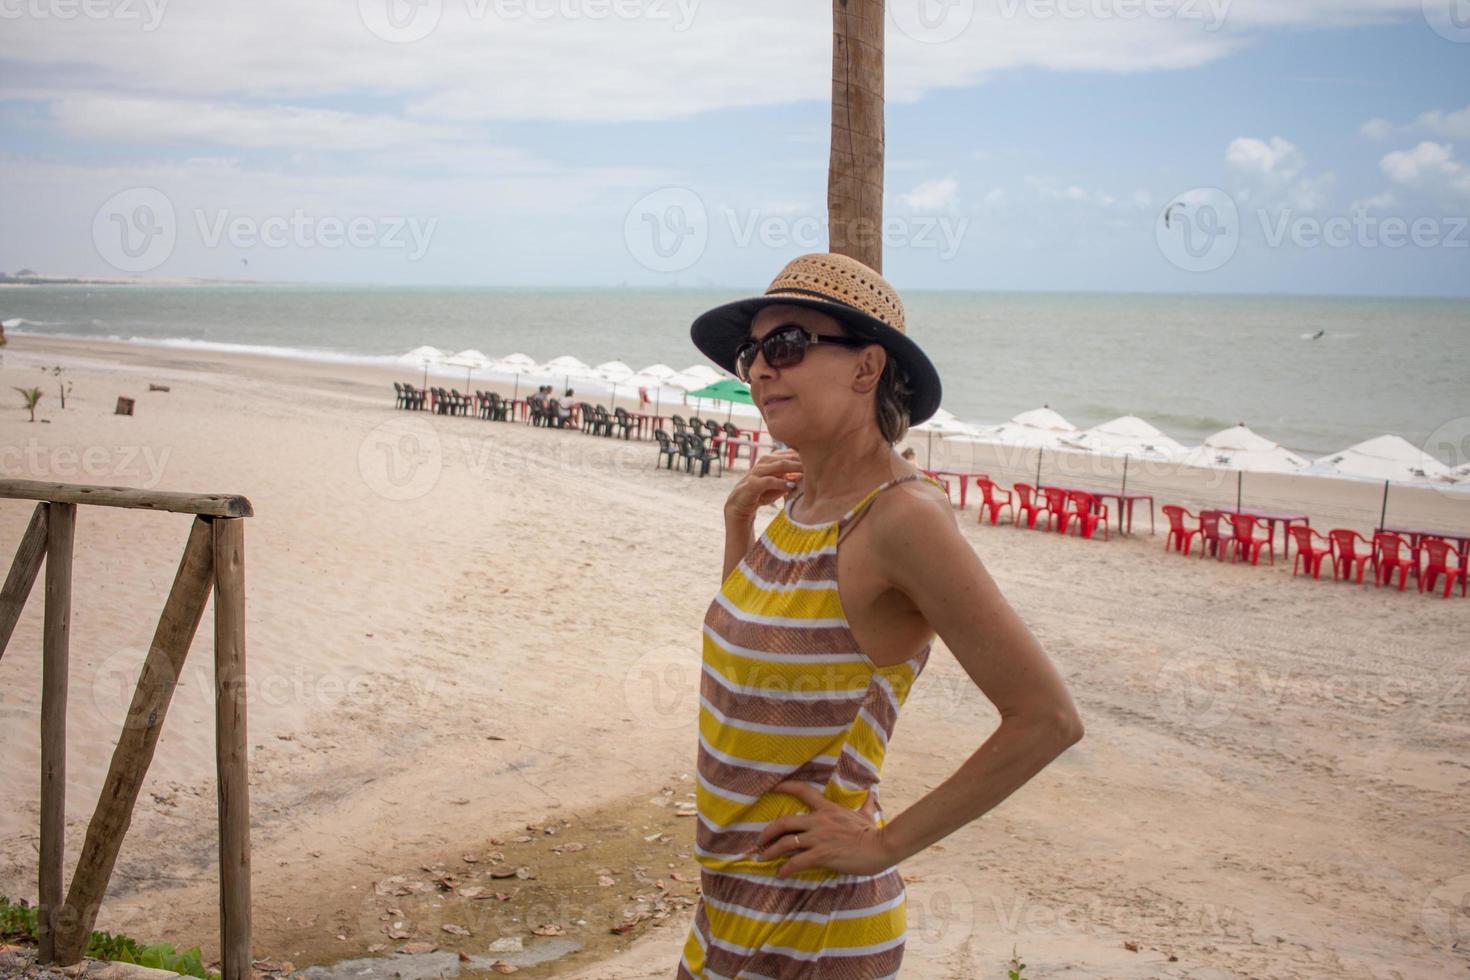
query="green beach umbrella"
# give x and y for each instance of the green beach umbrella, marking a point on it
(729, 390)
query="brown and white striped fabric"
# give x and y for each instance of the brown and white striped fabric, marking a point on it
(786, 694)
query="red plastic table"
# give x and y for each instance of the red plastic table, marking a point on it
(1125, 503)
(964, 479)
(1417, 534)
(1271, 517)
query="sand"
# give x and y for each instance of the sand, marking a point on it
(458, 629)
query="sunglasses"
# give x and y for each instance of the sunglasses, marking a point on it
(785, 347)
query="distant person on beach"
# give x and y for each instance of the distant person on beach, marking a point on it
(801, 689)
(564, 409)
(909, 454)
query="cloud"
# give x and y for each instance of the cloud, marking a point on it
(483, 60)
(1272, 174)
(932, 196)
(1278, 161)
(154, 120)
(1453, 125)
(1377, 129)
(1431, 170)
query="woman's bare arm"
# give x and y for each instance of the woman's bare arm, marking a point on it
(739, 539)
(923, 554)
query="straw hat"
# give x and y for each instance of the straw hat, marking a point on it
(844, 288)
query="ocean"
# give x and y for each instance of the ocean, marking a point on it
(1189, 364)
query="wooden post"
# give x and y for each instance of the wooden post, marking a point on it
(231, 744)
(134, 752)
(61, 520)
(22, 575)
(855, 170)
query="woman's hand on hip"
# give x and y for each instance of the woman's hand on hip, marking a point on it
(829, 836)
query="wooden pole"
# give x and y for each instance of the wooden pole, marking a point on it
(855, 170)
(134, 752)
(1383, 513)
(210, 504)
(1124, 490)
(231, 744)
(23, 572)
(1239, 485)
(61, 522)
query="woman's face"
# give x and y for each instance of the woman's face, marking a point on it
(825, 395)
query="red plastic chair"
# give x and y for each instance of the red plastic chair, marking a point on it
(990, 503)
(1305, 549)
(1027, 503)
(1348, 558)
(1056, 509)
(1392, 553)
(1245, 543)
(1438, 551)
(1088, 512)
(1213, 539)
(1179, 535)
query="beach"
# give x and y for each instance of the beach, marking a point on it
(462, 633)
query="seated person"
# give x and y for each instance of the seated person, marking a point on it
(564, 410)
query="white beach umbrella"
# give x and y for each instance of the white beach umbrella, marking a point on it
(704, 371)
(685, 382)
(1040, 427)
(614, 370)
(1044, 418)
(942, 424)
(424, 356)
(567, 367)
(615, 373)
(1238, 448)
(423, 353)
(654, 382)
(470, 360)
(658, 371)
(1388, 457)
(516, 362)
(516, 365)
(1127, 435)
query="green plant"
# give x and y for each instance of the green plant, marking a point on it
(19, 922)
(1016, 966)
(31, 395)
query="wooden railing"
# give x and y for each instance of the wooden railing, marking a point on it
(214, 557)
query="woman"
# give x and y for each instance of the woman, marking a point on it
(803, 680)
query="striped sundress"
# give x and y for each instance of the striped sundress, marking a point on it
(785, 693)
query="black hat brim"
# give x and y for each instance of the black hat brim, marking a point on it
(718, 332)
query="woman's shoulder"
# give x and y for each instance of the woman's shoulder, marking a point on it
(911, 494)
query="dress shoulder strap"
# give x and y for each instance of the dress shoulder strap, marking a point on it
(861, 507)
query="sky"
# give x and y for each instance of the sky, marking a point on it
(1203, 146)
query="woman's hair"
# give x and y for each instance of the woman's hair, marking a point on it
(892, 397)
(569, 393)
